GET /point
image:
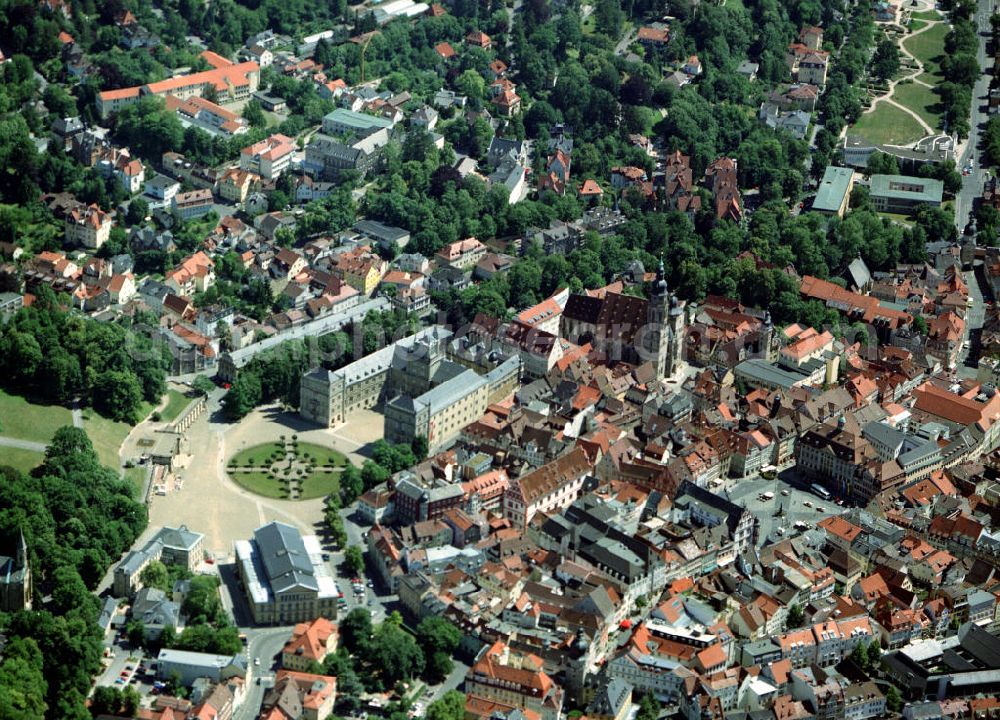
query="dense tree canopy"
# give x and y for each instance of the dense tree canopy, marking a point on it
(111, 367)
(76, 516)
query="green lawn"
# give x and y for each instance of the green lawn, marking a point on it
(899, 219)
(176, 402)
(259, 483)
(319, 485)
(23, 460)
(928, 48)
(25, 420)
(888, 125)
(921, 100)
(916, 25)
(108, 435)
(926, 15)
(136, 477)
(256, 455)
(322, 455)
(312, 485)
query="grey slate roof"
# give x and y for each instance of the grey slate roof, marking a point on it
(179, 538)
(284, 556)
(152, 607)
(859, 273)
(610, 698)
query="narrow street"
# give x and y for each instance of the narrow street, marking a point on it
(264, 644)
(968, 360)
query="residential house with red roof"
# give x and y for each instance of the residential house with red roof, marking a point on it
(361, 269)
(496, 70)
(590, 191)
(195, 273)
(516, 680)
(87, 226)
(270, 157)
(812, 37)
(461, 254)
(807, 65)
(556, 175)
(235, 184)
(653, 37)
(626, 176)
(445, 51)
(479, 39)
(310, 642)
(299, 695)
(504, 97)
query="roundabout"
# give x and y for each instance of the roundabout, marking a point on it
(288, 469)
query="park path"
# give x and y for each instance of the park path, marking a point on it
(887, 98)
(22, 444)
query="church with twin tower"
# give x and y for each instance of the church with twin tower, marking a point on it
(630, 329)
(667, 323)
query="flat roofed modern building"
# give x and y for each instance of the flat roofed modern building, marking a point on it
(342, 121)
(385, 235)
(190, 666)
(856, 150)
(902, 193)
(284, 576)
(759, 373)
(834, 191)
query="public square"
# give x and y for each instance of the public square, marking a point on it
(779, 514)
(216, 506)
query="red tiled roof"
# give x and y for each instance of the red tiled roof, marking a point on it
(310, 639)
(445, 50)
(653, 34)
(215, 60)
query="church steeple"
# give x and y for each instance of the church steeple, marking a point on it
(660, 287)
(657, 333)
